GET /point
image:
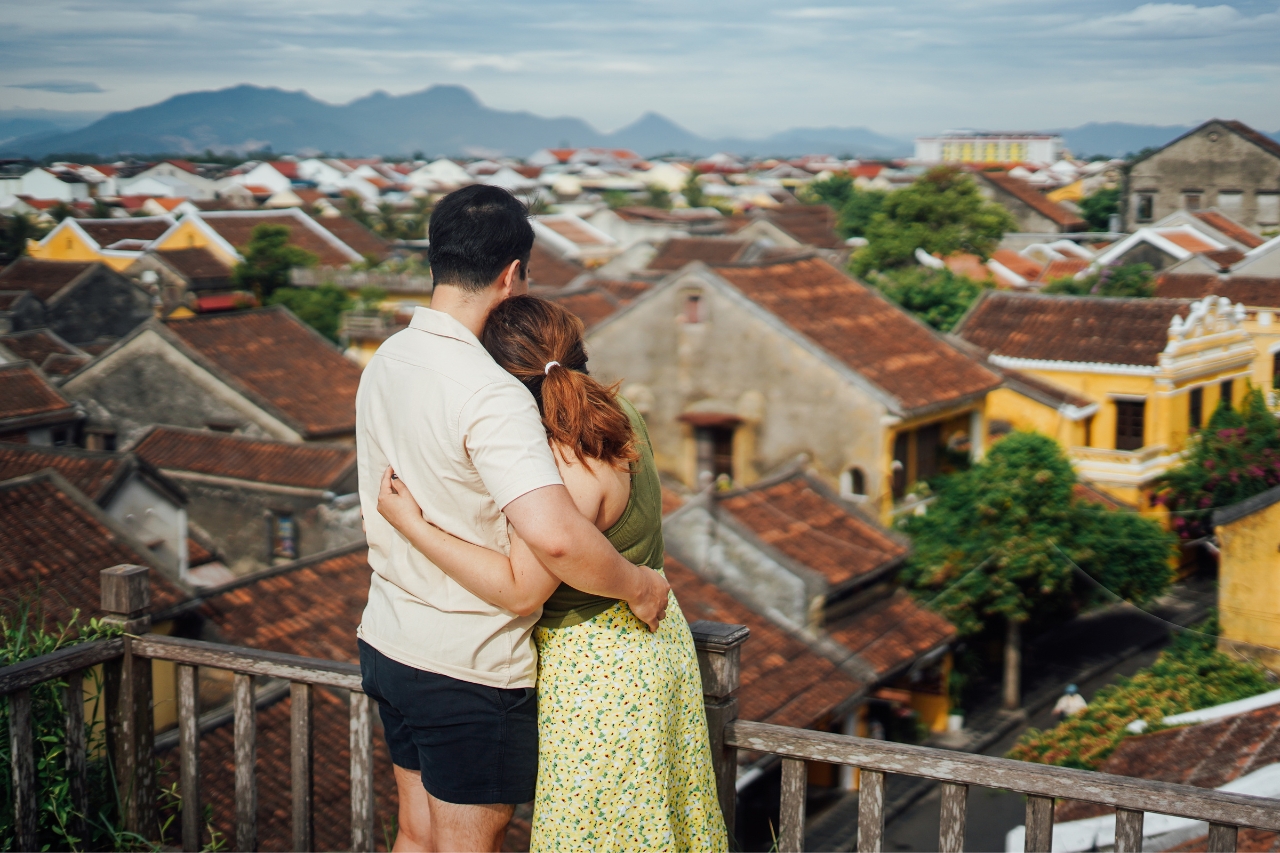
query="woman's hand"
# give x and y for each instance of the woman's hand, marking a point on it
(396, 503)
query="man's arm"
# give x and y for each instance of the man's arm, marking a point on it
(573, 550)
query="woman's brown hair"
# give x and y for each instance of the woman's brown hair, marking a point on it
(540, 343)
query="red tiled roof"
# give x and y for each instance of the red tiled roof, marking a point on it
(60, 364)
(184, 165)
(1068, 268)
(1028, 195)
(43, 278)
(1190, 242)
(968, 265)
(198, 554)
(862, 329)
(1225, 259)
(108, 231)
(237, 229)
(590, 305)
(308, 466)
(9, 297)
(1228, 226)
(1018, 264)
(25, 393)
(572, 231)
(811, 224)
(35, 346)
(1087, 329)
(288, 168)
(625, 292)
(892, 633)
(784, 681)
(678, 251)
(1262, 141)
(639, 213)
(92, 472)
(281, 361)
(55, 552)
(1253, 292)
(798, 517)
(547, 269)
(198, 265)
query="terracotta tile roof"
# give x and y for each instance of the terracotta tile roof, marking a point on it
(641, 213)
(355, 235)
(590, 305)
(1087, 329)
(42, 278)
(678, 251)
(625, 292)
(25, 393)
(801, 518)
(862, 329)
(1228, 226)
(811, 224)
(92, 472)
(288, 168)
(1068, 268)
(892, 633)
(9, 297)
(1030, 196)
(59, 364)
(968, 265)
(1225, 259)
(547, 269)
(572, 232)
(1023, 266)
(198, 554)
(36, 345)
(784, 681)
(237, 229)
(59, 545)
(1253, 292)
(199, 266)
(1190, 242)
(285, 463)
(281, 361)
(108, 231)
(1261, 140)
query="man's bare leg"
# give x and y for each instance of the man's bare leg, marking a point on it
(464, 828)
(413, 831)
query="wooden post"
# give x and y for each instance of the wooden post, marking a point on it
(1222, 838)
(795, 783)
(246, 761)
(73, 707)
(126, 594)
(1013, 665)
(189, 756)
(719, 654)
(871, 812)
(1039, 837)
(22, 750)
(300, 764)
(361, 772)
(1128, 831)
(951, 818)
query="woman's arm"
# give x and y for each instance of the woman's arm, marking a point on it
(520, 583)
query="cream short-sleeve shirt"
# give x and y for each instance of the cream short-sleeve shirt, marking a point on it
(466, 438)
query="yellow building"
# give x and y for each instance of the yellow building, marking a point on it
(115, 242)
(1121, 383)
(1248, 581)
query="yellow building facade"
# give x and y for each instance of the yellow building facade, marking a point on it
(1248, 536)
(114, 242)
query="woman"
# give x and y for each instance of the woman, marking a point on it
(624, 760)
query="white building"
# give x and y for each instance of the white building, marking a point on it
(975, 147)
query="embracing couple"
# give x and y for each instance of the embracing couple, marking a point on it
(514, 519)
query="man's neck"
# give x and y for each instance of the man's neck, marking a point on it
(470, 308)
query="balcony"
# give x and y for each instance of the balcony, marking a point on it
(1132, 468)
(369, 325)
(131, 742)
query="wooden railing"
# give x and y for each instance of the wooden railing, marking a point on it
(131, 743)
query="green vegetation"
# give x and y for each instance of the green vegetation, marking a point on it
(268, 257)
(692, 190)
(1125, 280)
(15, 231)
(1097, 208)
(999, 546)
(938, 297)
(1189, 675)
(942, 213)
(1235, 456)
(854, 207)
(656, 196)
(616, 198)
(320, 307)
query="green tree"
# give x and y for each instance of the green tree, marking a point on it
(321, 307)
(15, 231)
(61, 211)
(999, 546)
(268, 257)
(1097, 208)
(854, 207)
(1235, 456)
(1123, 280)
(657, 196)
(938, 297)
(616, 198)
(942, 213)
(833, 191)
(692, 190)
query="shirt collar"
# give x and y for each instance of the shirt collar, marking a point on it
(440, 323)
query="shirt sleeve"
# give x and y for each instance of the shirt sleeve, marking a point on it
(507, 443)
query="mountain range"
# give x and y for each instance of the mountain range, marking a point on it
(438, 121)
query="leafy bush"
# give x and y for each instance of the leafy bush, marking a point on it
(854, 207)
(1124, 280)
(1097, 208)
(268, 257)
(938, 297)
(319, 307)
(1190, 674)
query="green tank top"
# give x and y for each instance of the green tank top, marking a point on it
(637, 535)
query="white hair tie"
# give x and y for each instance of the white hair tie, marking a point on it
(546, 371)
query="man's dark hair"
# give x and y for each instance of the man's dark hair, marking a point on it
(475, 232)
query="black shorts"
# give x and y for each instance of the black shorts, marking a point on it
(473, 744)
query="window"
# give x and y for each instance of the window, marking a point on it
(1088, 431)
(928, 451)
(1231, 202)
(1275, 370)
(1225, 401)
(1191, 200)
(694, 310)
(61, 436)
(100, 441)
(853, 483)
(1130, 422)
(1145, 205)
(284, 536)
(715, 453)
(1196, 404)
(901, 447)
(1268, 209)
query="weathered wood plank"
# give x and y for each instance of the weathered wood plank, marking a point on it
(724, 758)
(246, 751)
(1222, 838)
(22, 751)
(795, 785)
(73, 707)
(131, 738)
(300, 765)
(1039, 837)
(1023, 777)
(719, 656)
(361, 772)
(253, 661)
(951, 817)
(871, 811)
(189, 756)
(1129, 831)
(29, 673)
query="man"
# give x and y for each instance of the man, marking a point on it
(1069, 703)
(452, 674)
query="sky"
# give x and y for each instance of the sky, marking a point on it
(718, 67)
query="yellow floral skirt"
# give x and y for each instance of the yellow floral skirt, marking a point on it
(624, 761)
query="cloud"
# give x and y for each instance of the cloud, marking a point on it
(62, 87)
(1167, 21)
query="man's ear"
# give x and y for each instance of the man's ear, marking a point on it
(511, 278)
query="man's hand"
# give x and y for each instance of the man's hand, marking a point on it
(650, 602)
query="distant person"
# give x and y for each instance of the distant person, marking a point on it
(1070, 703)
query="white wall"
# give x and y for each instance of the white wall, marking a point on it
(151, 516)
